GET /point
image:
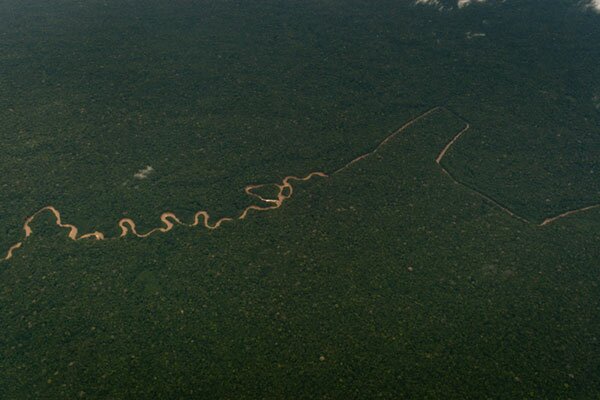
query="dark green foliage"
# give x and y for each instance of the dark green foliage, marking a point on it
(386, 280)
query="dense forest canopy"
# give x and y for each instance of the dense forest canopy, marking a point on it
(391, 278)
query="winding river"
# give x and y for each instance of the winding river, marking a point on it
(285, 190)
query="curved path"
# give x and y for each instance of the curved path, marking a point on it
(285, 191)
(169, 219)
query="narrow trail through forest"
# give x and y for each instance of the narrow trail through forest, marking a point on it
(455, 138)
(285, 191)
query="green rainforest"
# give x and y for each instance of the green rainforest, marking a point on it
(299, 199)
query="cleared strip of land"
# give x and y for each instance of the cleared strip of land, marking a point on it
(545, 222)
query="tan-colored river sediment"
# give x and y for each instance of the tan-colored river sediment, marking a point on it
(285, 190)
